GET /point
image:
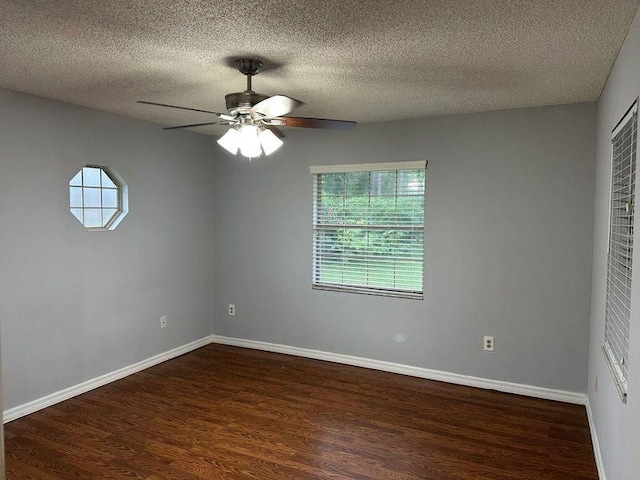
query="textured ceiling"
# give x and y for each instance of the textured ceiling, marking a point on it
(367, 61)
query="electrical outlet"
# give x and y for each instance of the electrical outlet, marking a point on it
(163, 322)
(488, 344)
(232, 310)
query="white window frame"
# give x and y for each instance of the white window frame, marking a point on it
(122, 204)
(317, 171)
(620, 252)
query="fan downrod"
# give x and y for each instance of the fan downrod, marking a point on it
(249, 67)
(241, 101)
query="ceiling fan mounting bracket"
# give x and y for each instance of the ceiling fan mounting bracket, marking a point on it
(248, 66)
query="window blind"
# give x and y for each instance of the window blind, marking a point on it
(368, 228)
(620, 252)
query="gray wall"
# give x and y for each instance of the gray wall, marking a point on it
(508, 247)
(617, 425)
(509, 223)
(77, 304)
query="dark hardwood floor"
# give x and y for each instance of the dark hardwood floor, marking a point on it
(230, 413)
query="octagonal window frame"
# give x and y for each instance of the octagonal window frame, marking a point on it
(92, 192)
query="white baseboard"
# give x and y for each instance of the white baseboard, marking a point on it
(595, 442)
(56, 397)
(508, 387)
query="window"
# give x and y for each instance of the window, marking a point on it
(620, 254)
(97, 198)
(368, 228)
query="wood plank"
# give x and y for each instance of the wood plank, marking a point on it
(223, 412)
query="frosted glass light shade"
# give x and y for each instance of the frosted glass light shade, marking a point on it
(249, 141)
(270, 143)
(230, 141)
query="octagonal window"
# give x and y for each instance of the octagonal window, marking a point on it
(97, 198)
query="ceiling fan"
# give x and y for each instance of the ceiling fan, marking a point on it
(254, 118)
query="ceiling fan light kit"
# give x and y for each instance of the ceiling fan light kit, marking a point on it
(253, 117)
(251, 140)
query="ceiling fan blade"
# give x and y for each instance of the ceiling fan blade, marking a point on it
(275, 106)
(314, 123)
(221, 115)
(194, 125)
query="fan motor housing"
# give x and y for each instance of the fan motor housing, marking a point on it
(238, 100)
